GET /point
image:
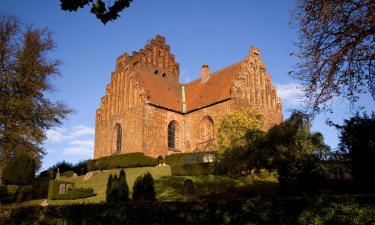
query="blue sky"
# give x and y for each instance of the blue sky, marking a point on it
(217, 33)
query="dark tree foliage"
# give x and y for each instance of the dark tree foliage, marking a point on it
(124, 189)
(108, 189)
(103, 11)
(336, 50)
(20, 170)
(25, 72)
(357, 138)
(143, 189)
(296, 153)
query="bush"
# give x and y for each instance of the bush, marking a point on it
(137, 159)
(187, 158)
(143, 189)
(117, 188)
(76, 193)
(15, 193)
(20, 170)
(40, 187)
(54, 188)
(253, 211)
(67, 173)
(192, 169)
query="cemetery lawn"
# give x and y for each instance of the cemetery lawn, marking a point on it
(167, 187)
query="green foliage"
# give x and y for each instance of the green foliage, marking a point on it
(192, 169)
(117, 188)
(54, 187)
(102, 11)
(108, 189)
(67, 173)
(40, 187)
(143, 189)
(186, 158)
(234, 126)
(357, 139)
(260, 211)
(16, 193)
(20, 170)
(124, 188)
(137, 159)
(76, 193)
(25, 112)
(296, 153)
(80, 168)
(240, 161)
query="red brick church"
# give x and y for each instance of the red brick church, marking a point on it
(146, 108)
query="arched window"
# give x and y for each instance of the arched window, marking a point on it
(206, 129)
(172, 130)
(118, 138)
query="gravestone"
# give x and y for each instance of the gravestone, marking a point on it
(189, 191)
(62, 189)
(58, 174)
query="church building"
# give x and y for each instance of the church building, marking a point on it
(146, 109)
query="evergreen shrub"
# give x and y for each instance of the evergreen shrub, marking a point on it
(144, 189)
(20, 170)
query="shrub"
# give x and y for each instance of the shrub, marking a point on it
(40, 187)
(143, 189)
(192, 169)
(77, 193)
(67, 173)
(136, 159)
(124, 189)
(187, 158)
(54, 188)
(20, 170)
(117, 188)
(15, 193)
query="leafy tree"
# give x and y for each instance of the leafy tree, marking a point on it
(25, 72)
(108, 189)
(239, 161)
(124, 189)
(143, 189)
(296, 153)
(336, 50)
(234, 126)
(357, 138)
(20, 170)
(98, 7)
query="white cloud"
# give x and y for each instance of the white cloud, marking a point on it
(89, 143)
(78, 151)
(58, 135)
(290, 93)
(82, 130)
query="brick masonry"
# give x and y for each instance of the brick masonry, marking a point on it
(145, 96)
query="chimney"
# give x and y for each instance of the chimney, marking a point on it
(205, 70)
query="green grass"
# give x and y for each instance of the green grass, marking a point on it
(167, 187)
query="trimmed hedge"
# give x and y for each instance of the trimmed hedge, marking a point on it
(54, 187)
(76, 193)
(298, 210)
(186, 158)
(192, 169)
(136, 159)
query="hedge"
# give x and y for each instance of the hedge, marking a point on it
(76, 193)
(16, 193)
(186, 158)
(54, 187)
(297, 210)
(192, 169)
(136, 159)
